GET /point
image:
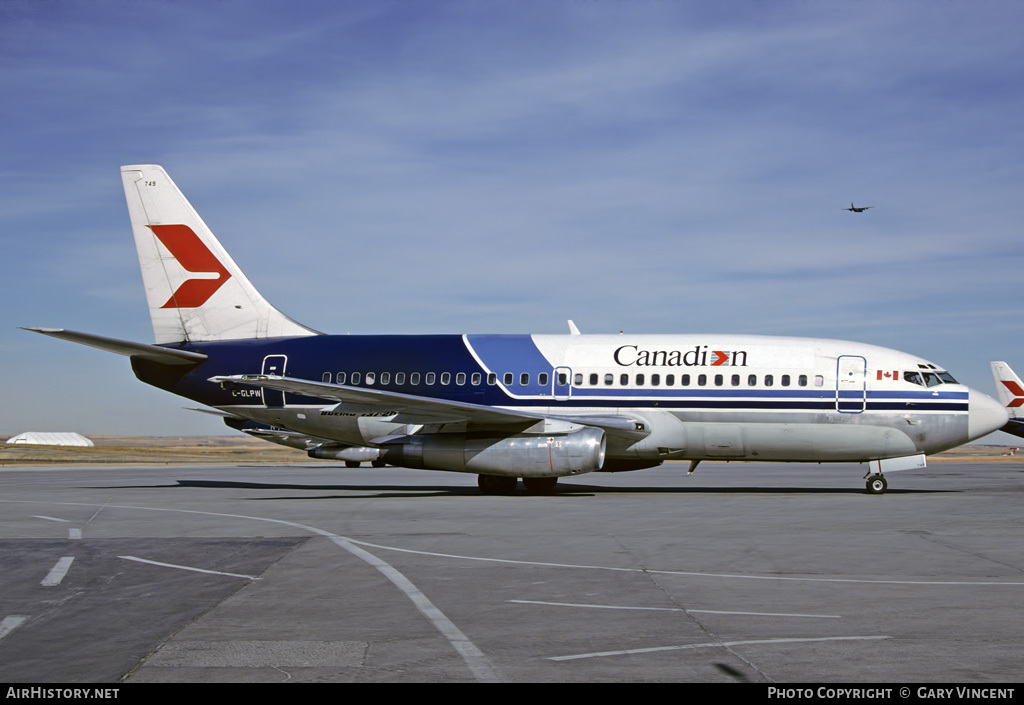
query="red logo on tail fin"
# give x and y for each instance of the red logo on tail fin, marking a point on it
(196, 258)
(1016, 391)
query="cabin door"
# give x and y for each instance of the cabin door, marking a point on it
(561, 383)
(851, 384)
(274, 365)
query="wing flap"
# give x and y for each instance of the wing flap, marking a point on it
(416, 410)
(410, 409)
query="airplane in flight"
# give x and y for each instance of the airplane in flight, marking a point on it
(536, 407)
(857, 209)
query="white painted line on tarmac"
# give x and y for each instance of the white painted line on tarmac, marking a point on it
(185, 567)
(675, 609)
(41, 516)
(695, 574)
(58, 571)
(713, 645)
(10, 623)
(475, 659)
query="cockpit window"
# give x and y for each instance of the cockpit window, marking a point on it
(928, 379)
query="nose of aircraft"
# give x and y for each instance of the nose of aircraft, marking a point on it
(985, 414)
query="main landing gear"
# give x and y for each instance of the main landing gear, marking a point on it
(876, 483)
(501, 485)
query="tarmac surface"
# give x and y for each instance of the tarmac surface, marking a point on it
(761, 573)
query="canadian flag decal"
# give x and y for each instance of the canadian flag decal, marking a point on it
(195, 258)
(888, 375)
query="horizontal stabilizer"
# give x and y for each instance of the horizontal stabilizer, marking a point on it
(1015, 427)
(153, 353)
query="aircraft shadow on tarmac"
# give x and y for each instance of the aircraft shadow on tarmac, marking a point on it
(564, 490)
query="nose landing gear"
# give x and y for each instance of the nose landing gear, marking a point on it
(876, 483)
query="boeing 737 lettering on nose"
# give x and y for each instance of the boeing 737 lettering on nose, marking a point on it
(536, 407)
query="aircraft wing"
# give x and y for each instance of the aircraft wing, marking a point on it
(411, 409)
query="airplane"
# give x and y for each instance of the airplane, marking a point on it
(536, 407)
(857, 209)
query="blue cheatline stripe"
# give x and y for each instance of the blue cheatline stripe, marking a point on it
(517, 354)
(508, 353)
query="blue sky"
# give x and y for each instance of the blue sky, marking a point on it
(485, 166)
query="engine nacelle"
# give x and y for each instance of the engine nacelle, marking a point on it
(522, 455)
(347, 453)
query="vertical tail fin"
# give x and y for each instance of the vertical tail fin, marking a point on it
(1010, 389)
(194, 289)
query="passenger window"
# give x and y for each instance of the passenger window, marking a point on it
(542, 379)
(414, 378)
(785, 380)
(735, 380)
(769, 380)
(430, 378)
(702, 380)
(751, 380)
(624, 380)
(508, 379)
(578, 379)
(460, 378)
(370, 377)
(819, 381)
(609, 378)
(340, 378)
(670, 380)
(655, 380)
(684, 381)
(446, 377)
(326, 377)
(802, 380)
(477, 379)
(399, 378)
(719, 379)
(563, 379)
(593, 379)
(355, 378)
(524, 379)
(639, 380)
(492, 378)
(385, 377)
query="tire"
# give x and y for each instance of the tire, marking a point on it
(540, 485)
(877, 485)
(496, 484)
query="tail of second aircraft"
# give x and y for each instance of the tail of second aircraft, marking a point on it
(195, 290)
(1011, 394)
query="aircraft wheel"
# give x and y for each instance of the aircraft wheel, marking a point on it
(352, 463)
(540, 485)
(497, 484)
(378, 463)
(877, 485)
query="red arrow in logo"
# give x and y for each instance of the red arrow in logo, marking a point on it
(723, 357)
(1016, 391)
(196, 258)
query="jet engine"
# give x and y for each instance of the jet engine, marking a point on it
(351, 454)
(520, 455)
